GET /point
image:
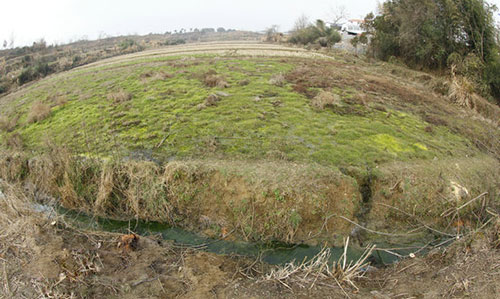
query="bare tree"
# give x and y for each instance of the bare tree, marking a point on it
(102, 35)
(12, 38)
(338, 14)
(301, 23)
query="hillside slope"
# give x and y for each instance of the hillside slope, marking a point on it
(212, 131)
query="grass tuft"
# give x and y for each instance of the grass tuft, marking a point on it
(8, 124)
(278, 80)
(38, 112)
(120, 96)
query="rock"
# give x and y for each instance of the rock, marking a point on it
(459, 192)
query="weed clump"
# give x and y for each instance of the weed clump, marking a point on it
(120, 96)
(325, 99)
(159, 76)
(211, 79)
(38, 112)
(210, 101)
(278, 80)
(244, 82)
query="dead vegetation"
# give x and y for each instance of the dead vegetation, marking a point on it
(7, 123)
(320, 270)
(38, 112)
(212, 79)
(120, 97)
(325, 99)
(462, 93)
(176, 193)
(277, 80)
(43, 255)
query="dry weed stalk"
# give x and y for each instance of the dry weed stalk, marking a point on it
(319, 269)
(461, 91)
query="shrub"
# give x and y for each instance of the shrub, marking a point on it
(315, 34)
(305, 36)
(42, 69)
(127, 43)
(438, 34)
(173, 42)
(492, 77)
(25, 76)
(360, 39)
(38, 112)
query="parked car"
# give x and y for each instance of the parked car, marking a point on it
(353, 28)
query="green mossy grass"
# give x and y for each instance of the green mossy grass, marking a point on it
(281, 125)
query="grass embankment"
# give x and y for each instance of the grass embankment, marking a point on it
(269, 147)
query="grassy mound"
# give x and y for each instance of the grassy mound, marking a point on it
(325, 135)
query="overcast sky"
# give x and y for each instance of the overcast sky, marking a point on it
(63, 20)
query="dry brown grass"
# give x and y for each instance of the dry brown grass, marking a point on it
(145, 190)
(325, 99)
(120, 96)
(8, 124)
(14, 141)
(38, 112)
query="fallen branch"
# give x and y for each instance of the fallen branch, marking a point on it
(418, 220)
(143, 281)
(450, 211)
(6, 280)
(162, 141)
(377, 232)
(471, 201)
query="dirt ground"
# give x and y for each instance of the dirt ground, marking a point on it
(43, 257)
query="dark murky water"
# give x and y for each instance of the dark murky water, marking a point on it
(272, 253)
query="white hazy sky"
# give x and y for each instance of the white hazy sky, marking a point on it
(64, 20)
